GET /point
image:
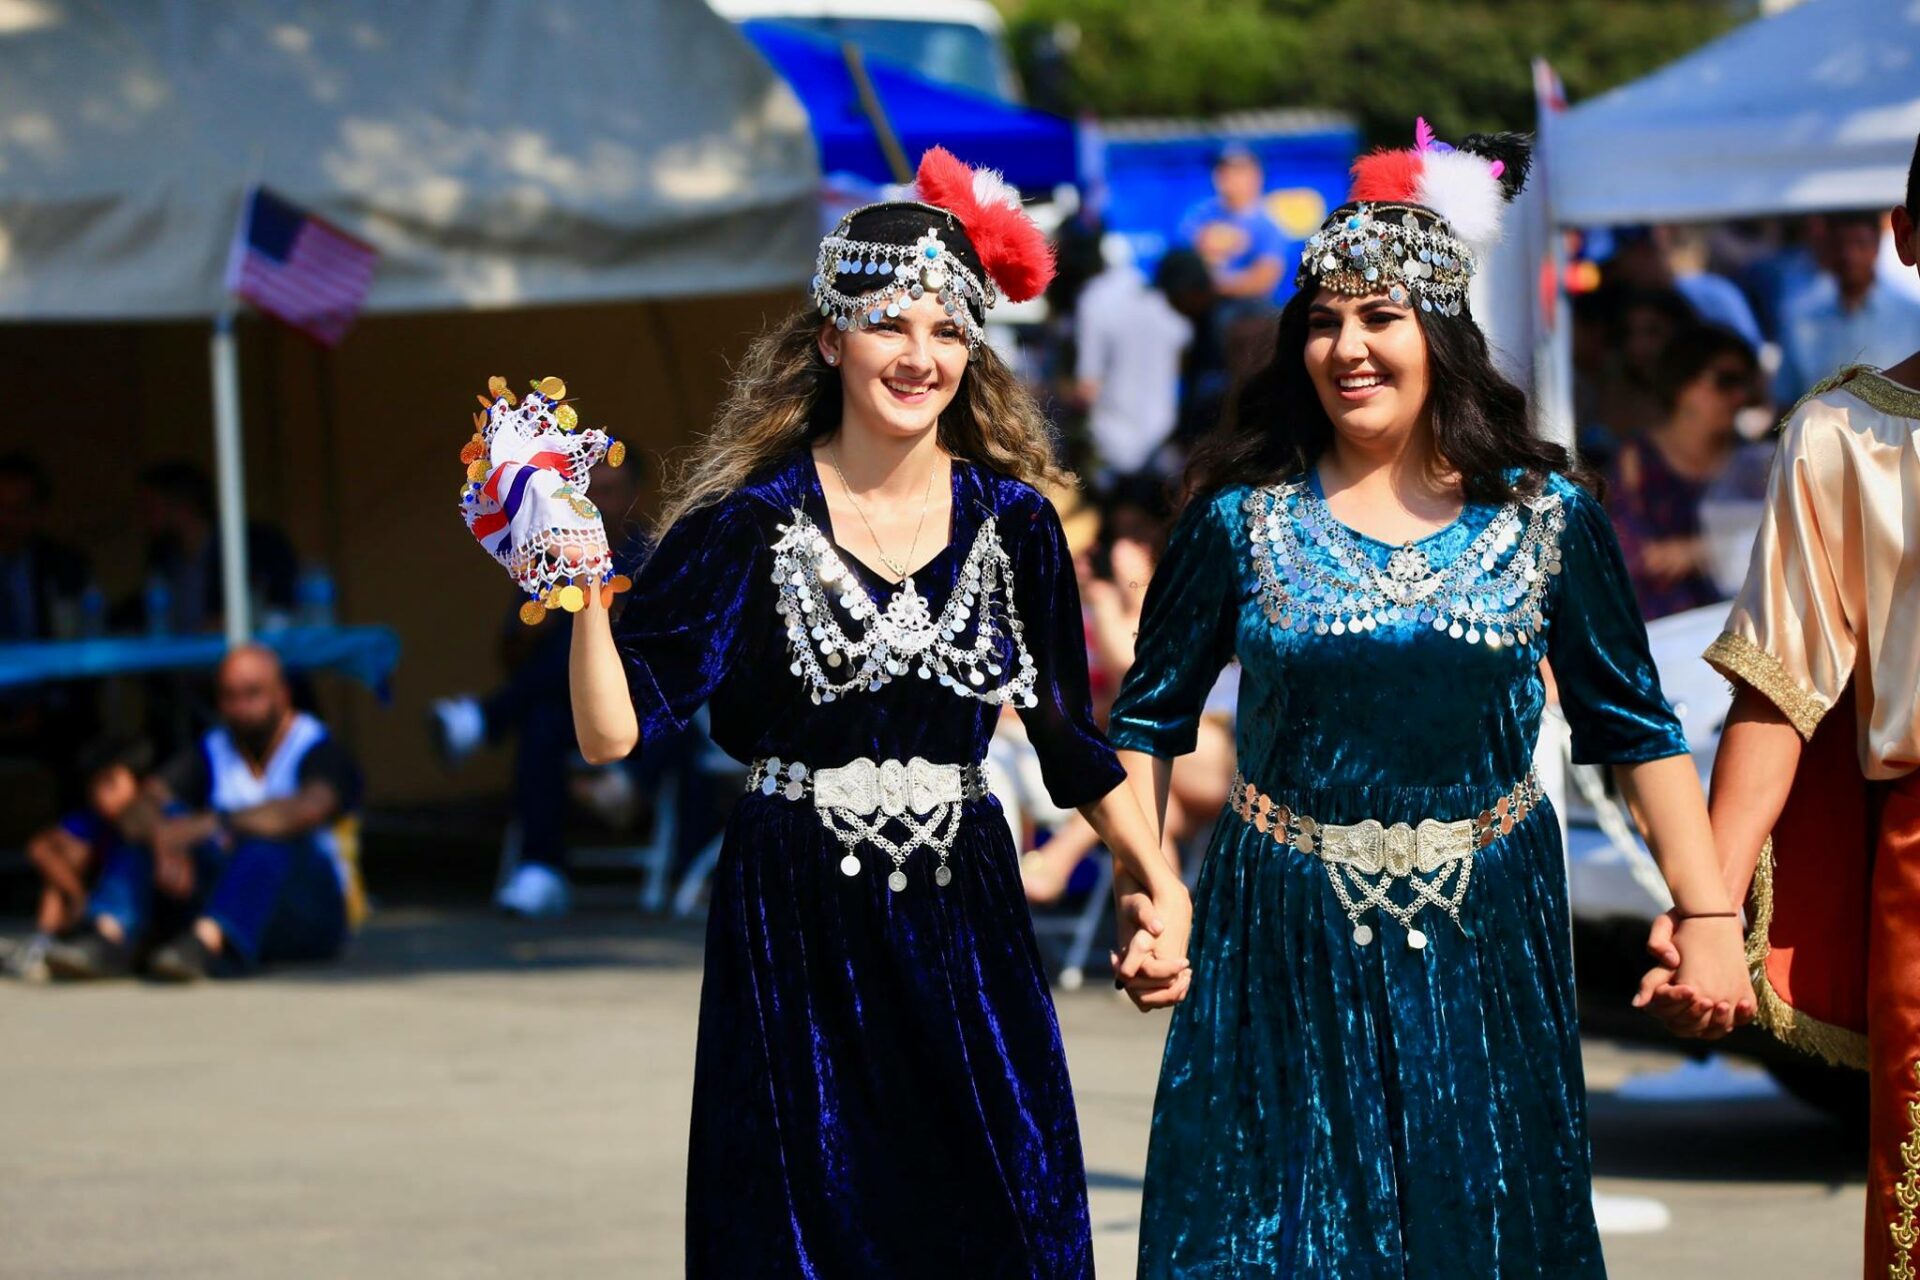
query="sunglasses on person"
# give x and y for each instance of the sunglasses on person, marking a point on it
(1732, 380)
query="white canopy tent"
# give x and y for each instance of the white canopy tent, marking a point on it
(1814, 108)
(498, 153)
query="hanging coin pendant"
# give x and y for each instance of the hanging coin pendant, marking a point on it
(849, 866)
(1363, 934)
(1416, 939)
(943, 877)
(897, 881)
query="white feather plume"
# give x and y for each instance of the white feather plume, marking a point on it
(989, 187)
(1461, 188)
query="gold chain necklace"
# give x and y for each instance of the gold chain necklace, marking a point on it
(896, 567)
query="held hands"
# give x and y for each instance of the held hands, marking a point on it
(1699, 987)
(1151, 965)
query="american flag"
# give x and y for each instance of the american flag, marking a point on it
(299, 268)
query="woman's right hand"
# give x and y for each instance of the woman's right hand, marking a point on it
(1700, 986)
(525, 494)
(1152, 965)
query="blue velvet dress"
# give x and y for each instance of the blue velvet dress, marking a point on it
(879, 1085)
(1329, 1107)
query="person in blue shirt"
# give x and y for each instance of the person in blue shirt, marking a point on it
(68, 856)
(1856, 321)
(1243, 248)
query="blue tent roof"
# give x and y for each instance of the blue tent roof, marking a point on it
(1035, 151)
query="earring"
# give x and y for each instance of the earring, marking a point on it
(832, 358)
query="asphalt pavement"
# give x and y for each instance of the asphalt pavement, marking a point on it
(472, 1098)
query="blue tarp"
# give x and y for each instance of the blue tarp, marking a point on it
(1151, 183)
(368, 654)
(1035, 151)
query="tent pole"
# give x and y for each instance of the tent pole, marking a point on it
(876, 114)
(229, 472)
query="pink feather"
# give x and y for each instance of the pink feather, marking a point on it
(1422, 134)
(1011, 245)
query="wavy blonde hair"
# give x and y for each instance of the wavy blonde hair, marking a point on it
(784, 396)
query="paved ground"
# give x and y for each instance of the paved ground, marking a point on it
(473, 1099)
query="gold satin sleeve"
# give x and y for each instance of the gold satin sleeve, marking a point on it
(1831, 584)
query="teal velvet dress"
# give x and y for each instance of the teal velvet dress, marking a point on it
(1402, 1099)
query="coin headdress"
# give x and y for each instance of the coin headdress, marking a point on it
(525, 495)
(964, 239)
(1418, 222)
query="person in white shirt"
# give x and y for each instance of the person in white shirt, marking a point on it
(1130, 343)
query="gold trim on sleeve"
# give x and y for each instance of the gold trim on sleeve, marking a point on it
(1883, 393)
(1838, 1045)
(1738, 658)
(1906, 1194)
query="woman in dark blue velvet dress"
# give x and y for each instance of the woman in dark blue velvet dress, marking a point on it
(1377, 1073)
(857, 574)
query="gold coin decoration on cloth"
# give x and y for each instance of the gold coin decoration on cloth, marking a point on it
(473, 450)
(621, 582)
(477, 470)
(498, 386)
(484, 402)
(616, 453)
(533, 613)
(551, 388)
(567, 416)
(570, 598)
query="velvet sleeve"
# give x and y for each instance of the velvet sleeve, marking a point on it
(684, 623)
(1076, 763)
(1186, 637)
(1597, 645)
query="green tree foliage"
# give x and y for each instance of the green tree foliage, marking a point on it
(1464, 64)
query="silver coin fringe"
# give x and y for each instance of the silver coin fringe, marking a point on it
(1483, 596)
(905, 636)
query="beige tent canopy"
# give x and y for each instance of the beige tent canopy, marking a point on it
(498, 153)
(615, 191)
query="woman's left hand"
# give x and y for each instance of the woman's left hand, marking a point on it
(1700, 987)
(1152, 965)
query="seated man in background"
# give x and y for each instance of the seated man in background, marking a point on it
(69, 855)
(238, 852)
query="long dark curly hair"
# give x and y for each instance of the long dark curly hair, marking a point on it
(1274, 425)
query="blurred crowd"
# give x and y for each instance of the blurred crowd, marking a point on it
(1688, 344)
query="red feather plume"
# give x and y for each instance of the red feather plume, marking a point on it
(1391, 176)
(1011, 246)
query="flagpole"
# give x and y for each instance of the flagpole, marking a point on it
(230, 476)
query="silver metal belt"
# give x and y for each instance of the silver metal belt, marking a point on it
(1364, 859)
(856, 800)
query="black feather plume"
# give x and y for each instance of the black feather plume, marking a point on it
(1513, 150)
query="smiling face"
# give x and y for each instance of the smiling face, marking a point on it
(899, 376)
(1367, 358)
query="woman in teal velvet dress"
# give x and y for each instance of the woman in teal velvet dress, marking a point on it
(1376, 1072)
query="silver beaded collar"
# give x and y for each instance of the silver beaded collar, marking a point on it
(1491, 593)
(905, 636)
